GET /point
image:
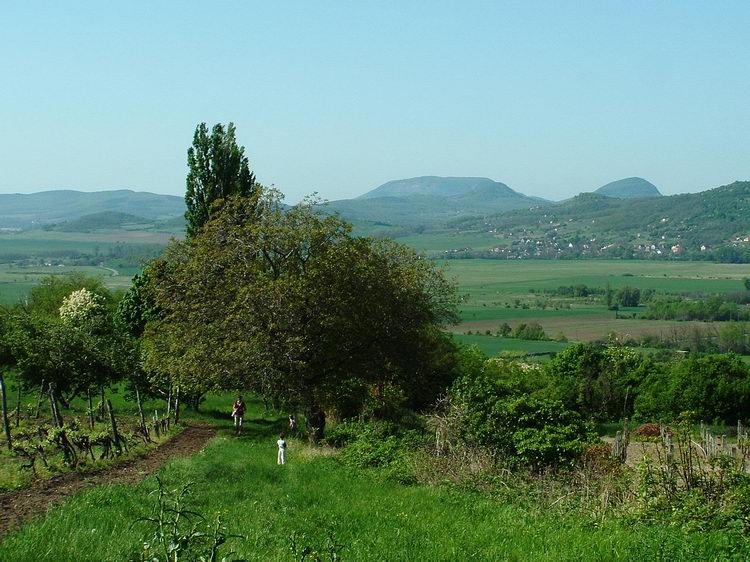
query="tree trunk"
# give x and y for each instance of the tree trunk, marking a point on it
(18, 406)
(169, 404)
(113, 423)
(56, 416)
(39, 400)
(177, 406)
(6, 425)
(101, 404)
(140, 410)
(91, 409)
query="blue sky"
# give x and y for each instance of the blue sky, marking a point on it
(552, 98)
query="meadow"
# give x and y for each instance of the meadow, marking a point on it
(315, 503)
(17, 280)
(497, 291)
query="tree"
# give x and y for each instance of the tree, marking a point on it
(218, 169)
(291, 300)
(746, 282)
(629, 297)
(48, 296)
(6, 360)
(609, 295)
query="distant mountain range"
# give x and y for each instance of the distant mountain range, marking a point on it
(37, 209)
(416, 203)
(432, 200)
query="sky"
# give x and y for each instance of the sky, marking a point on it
(551, 98)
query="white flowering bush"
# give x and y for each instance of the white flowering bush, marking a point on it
(81, 307)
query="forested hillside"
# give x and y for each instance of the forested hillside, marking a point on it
(713, 224)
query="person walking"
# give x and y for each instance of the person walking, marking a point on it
(281, 443)
(238, 413)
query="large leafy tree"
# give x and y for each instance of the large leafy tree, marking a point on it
(217, 169)
(288, 303)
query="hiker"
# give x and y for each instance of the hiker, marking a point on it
(292, 423)
(281, 459)
(238, 412)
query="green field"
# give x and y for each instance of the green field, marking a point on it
(497, 291)
(16, 280)
(314, 497)
(48, 243)
(492, 345)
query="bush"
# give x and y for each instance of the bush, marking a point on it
(531, 331)
(500, 410)
(648, 430)
(377, 445)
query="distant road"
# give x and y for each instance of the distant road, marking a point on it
(114, 272)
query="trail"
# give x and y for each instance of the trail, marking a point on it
(21, 505)
(114, 272)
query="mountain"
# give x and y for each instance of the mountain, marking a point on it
(629, 188)
(436, 186)
(592, 224)
(431, 201)
(37, 209)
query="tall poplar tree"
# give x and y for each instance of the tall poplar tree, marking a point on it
(218, 169)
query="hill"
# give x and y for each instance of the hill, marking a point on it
(105, 220)
(431, 201)
(629, 188)
(37, 209)
(713, 224)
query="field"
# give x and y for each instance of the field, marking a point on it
(493, 345)
(17, 280)
(497, 291)
(317, 502)
(48, 243)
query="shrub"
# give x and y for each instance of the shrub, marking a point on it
(648, 430)
(531, 331)
(500, 411)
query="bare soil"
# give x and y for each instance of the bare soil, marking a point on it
(21, 505)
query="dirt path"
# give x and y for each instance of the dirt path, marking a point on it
(19, 506)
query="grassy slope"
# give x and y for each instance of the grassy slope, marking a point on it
(313, 493)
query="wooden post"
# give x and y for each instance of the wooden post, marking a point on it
(113, 423)
(91, 409)
(39, 400)
(6, 425)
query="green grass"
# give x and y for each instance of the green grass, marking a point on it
(17, 280)
(516, 277)
(491, 345)
(314, 494)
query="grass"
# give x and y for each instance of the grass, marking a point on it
(313, 495)
(497, 291)
(17, 280)
(492, 345)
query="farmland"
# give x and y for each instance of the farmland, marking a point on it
(497, 291)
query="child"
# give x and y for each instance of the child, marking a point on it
(238, 412)
(281, 459)
(292, 423)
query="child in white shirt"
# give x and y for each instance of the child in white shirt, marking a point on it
(281, 459)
